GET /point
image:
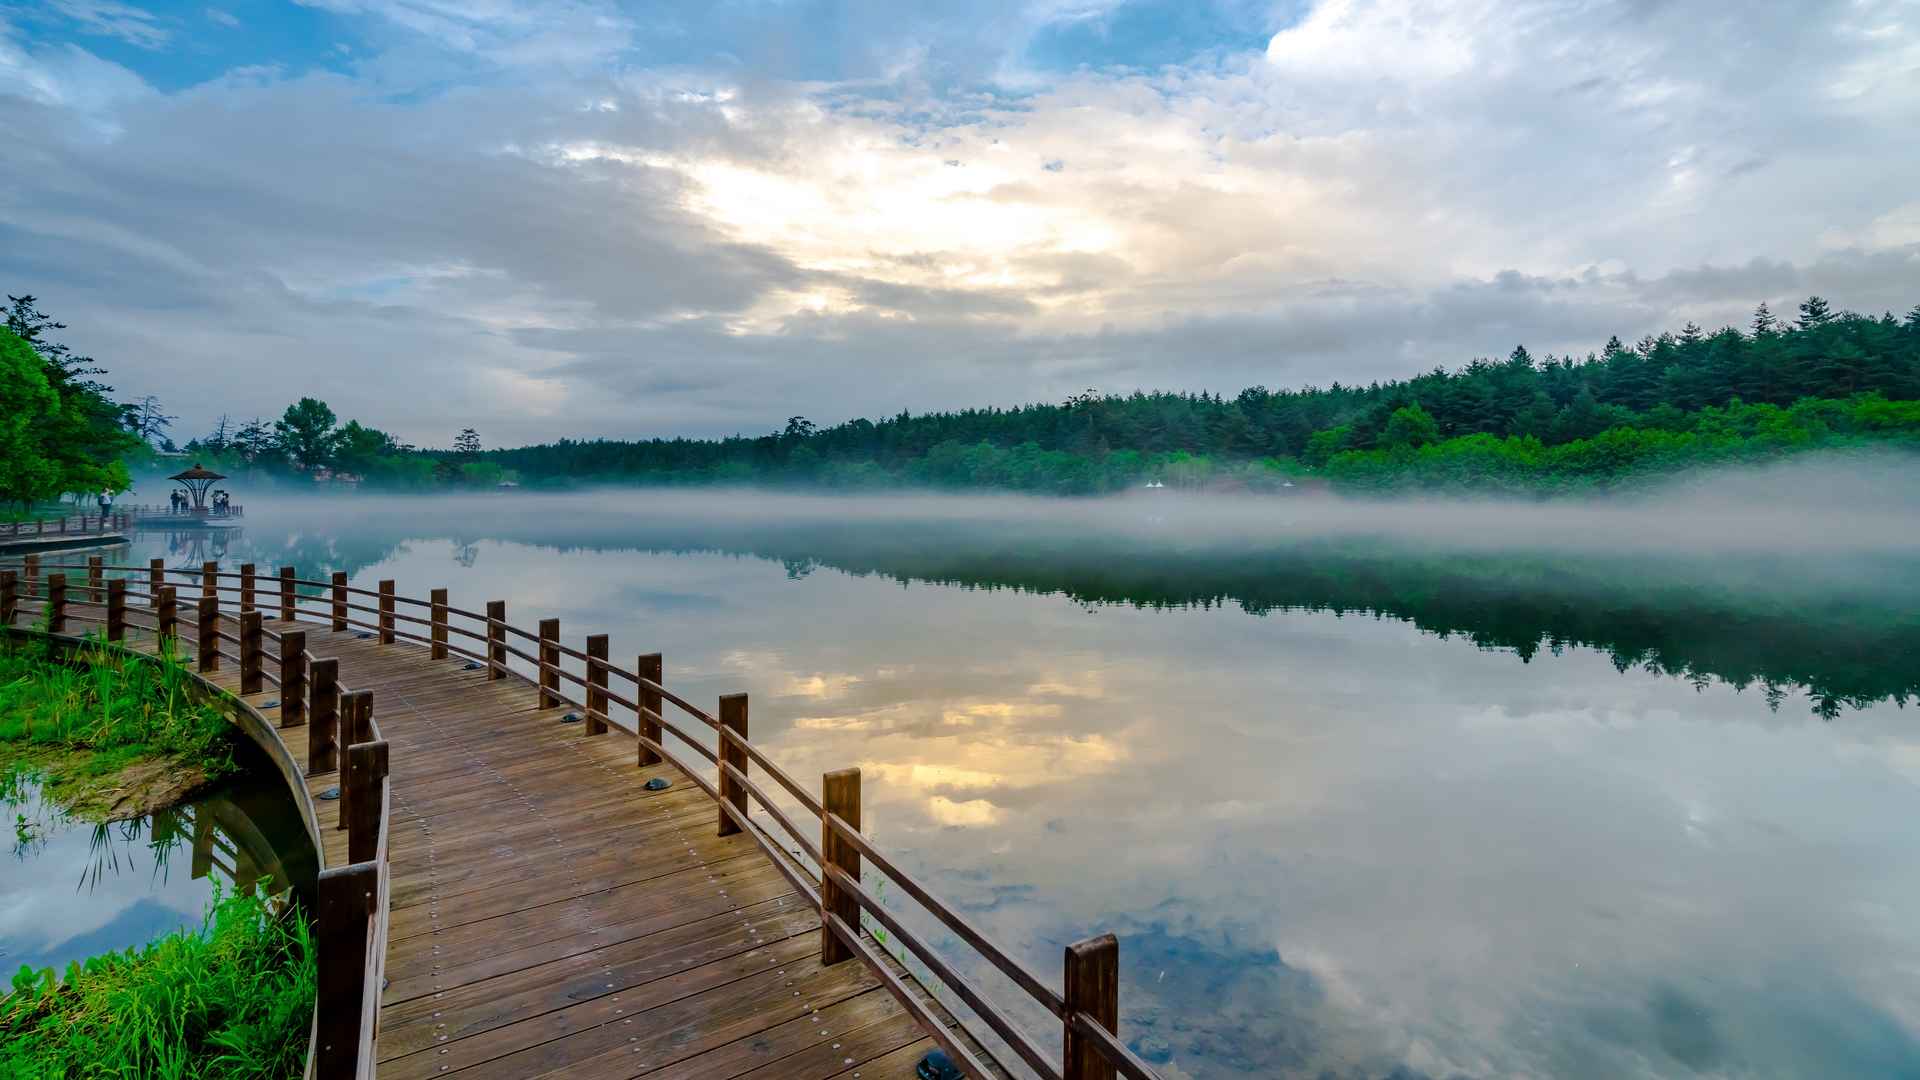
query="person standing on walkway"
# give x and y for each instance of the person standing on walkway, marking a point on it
(106, 501)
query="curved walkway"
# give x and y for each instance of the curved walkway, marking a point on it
(551, 916)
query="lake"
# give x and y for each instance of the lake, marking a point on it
(1366, 790)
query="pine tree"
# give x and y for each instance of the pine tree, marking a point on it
(1764, 324)
(1814, 313)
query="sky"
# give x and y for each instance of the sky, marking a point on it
(589, 218)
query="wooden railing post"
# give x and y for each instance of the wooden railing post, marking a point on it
(96, 579)
(1092, 987)
(839, 795)
(57, 603)
(345, 901)
(367, 779)
(286, 594)
(9, 596)
(386, 612)
(166, 617)
(117, 609)
(246, 587)
(733, 717)
(323, 716)
(208, 629)
(31, 566)
(649, 667)
(597, 684)
(210, 579)
(438, 619)
(549, 663)
(356, 718)
(496, 639)
(339, 601)
(156, 579)
(293, 678)
(253, 653)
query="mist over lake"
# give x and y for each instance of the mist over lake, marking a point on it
(1448, 787)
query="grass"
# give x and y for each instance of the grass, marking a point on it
(232, 999)
(114, 708)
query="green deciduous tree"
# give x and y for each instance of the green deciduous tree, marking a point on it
(306, 433)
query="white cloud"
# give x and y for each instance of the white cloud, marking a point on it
(135, 26)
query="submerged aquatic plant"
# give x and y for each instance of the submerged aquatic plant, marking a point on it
(231, 999)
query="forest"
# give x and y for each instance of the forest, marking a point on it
(1826, 380)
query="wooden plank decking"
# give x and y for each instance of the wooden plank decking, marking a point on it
(551, 917)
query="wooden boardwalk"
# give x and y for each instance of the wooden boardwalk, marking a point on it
(552, 917)
(501, 896)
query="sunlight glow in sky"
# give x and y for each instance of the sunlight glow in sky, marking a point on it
(598, 218)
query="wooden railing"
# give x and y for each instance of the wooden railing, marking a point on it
(71, 524)
(351, 923)
(144, 510)
(351, 901)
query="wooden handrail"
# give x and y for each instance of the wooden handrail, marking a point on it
(341, 737)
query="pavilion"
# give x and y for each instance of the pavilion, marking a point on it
(196, 481)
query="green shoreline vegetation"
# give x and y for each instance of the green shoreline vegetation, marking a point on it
(112, 735)
(231, 999)
(109, 735)
(1558, 425)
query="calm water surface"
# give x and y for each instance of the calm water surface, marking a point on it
(70, 889)
(1354, 812)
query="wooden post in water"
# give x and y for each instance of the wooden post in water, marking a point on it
(438, 619)
(293, 678)
(286, 594)
(210, 579)
(57, 603)
(156, 579)
(31, 567)
(339, 601)
(496, 639)
(9, 596)
(1092, 987)
(549, 663)
(96, 577)
(166, 618)
(840, 796)
(733, 717)
(209, 629)
(117, 609)
(345, 904)
(367, 779)
(323, 718)
(386, 612)
(597, 684)
(246, 587)
(648, 668)
(253, 653)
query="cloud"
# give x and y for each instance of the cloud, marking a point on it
(222, 18)
(531, 216)
(105, 18)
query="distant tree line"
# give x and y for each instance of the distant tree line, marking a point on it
(1828, 378)
(308, 442)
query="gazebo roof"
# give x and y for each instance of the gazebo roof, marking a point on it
(197, 473)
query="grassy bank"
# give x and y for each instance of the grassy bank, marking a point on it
(112, 735)
(233, 999)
